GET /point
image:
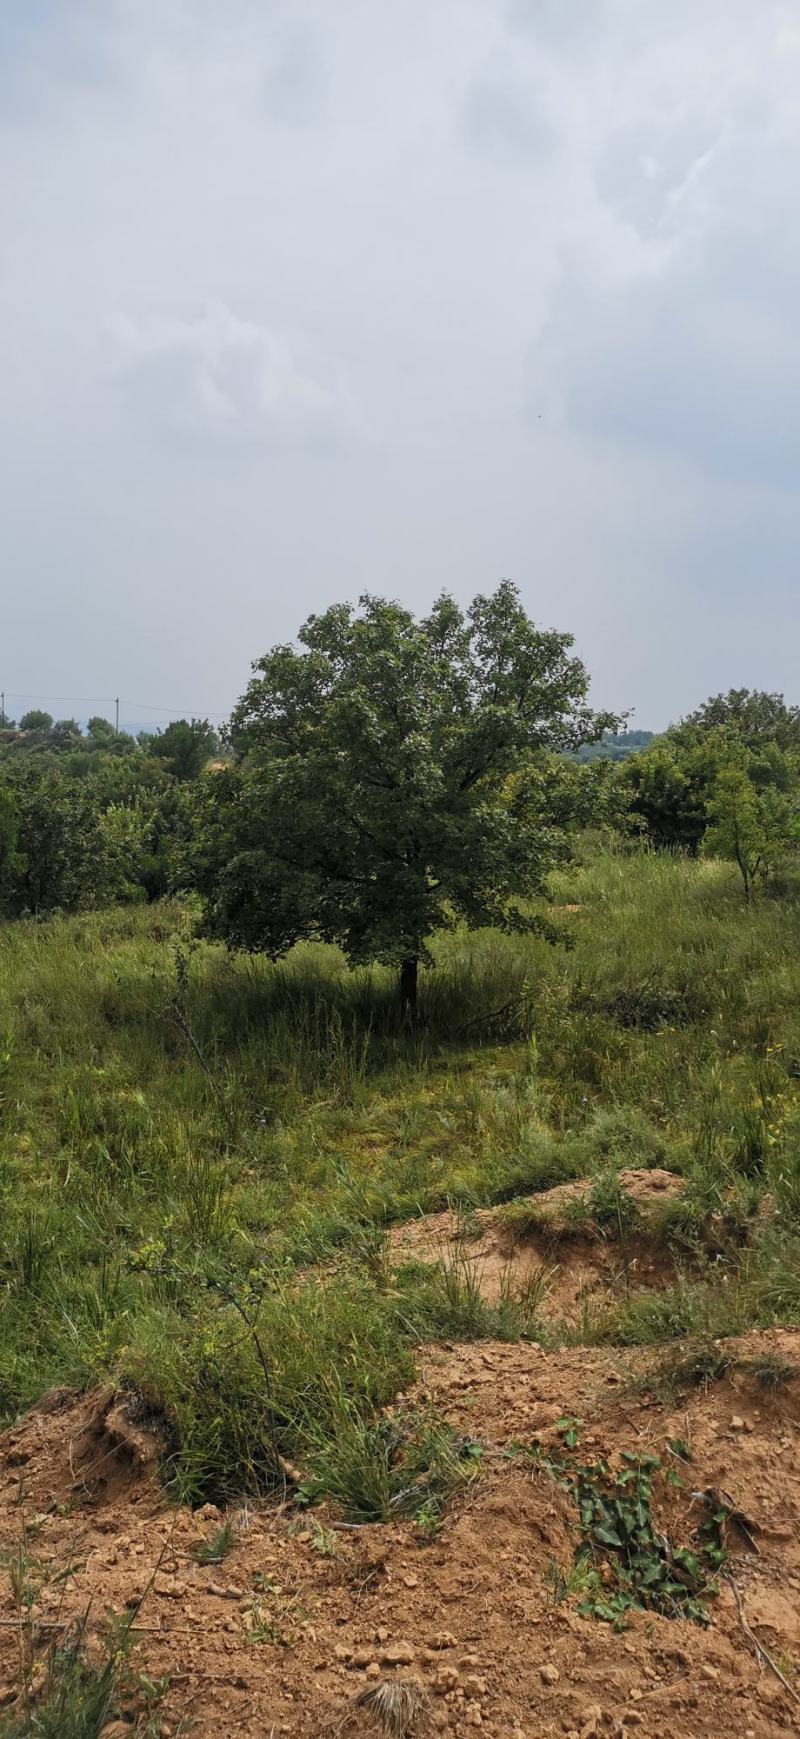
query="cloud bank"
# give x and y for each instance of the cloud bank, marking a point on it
(302, 299)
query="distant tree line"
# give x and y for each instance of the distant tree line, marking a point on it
(614, 746)
(386, 777)
(94, 817)
(725, 781)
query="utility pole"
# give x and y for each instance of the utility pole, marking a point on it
(3, 708)
(116, 703)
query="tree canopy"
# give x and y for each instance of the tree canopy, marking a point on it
(36, 721)
(185, 746)
(393, 777)
(752, 714)
(754, 812)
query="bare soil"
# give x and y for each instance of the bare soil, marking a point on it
(580, 1268)
(283, 1636)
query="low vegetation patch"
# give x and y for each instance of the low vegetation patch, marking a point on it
(625, 1562)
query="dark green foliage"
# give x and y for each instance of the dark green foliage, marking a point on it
(185, 746)
(74, 836)
(396, 779)
(629, 1563)
(668, 788)
(100, 730)
(743, 744)
(36, 721)
(59, 859)
(9, 835)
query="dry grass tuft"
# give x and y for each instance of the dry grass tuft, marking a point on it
(397, 1705)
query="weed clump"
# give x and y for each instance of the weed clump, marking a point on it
(625, 1562)
(404, 1465)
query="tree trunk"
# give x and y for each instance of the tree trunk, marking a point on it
(408, 987)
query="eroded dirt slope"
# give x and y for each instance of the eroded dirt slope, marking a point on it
(283, 1635)
(575, 1266)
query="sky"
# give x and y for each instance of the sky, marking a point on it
(301, 299)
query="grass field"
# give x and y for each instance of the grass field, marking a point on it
(200, 1156)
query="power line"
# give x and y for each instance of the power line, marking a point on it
(173, 712)
(170, 712)
(77, 699)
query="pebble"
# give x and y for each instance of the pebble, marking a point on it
(169, 1587)
(475, 1686)
(373, 1670)
(398, 1654)
(442, 1639)
(446, 1679)
(549, 1673)
(708, 1672)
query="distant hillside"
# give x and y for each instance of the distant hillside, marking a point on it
(615, 746)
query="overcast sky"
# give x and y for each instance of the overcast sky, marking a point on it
(305, 297)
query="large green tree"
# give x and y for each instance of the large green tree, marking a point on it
(394, 776)
(36, 721)
(753, 715)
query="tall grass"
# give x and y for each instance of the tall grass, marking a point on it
(181, 1131)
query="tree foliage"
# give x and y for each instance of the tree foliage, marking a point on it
(72, 838)
(185, 746)
(668, 787)
(57, 860)
(754, 813)
(36, 721)
(754, 716)
(394, 777)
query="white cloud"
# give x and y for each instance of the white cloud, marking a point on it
(674, 324)
(222, 376)
(407, 295)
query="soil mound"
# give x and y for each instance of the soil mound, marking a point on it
(304, 1618)
(551, 1240)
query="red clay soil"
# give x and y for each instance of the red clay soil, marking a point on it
(282, 1637)
(581, 1270)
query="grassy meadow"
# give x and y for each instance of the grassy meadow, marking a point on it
(200, 1154)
